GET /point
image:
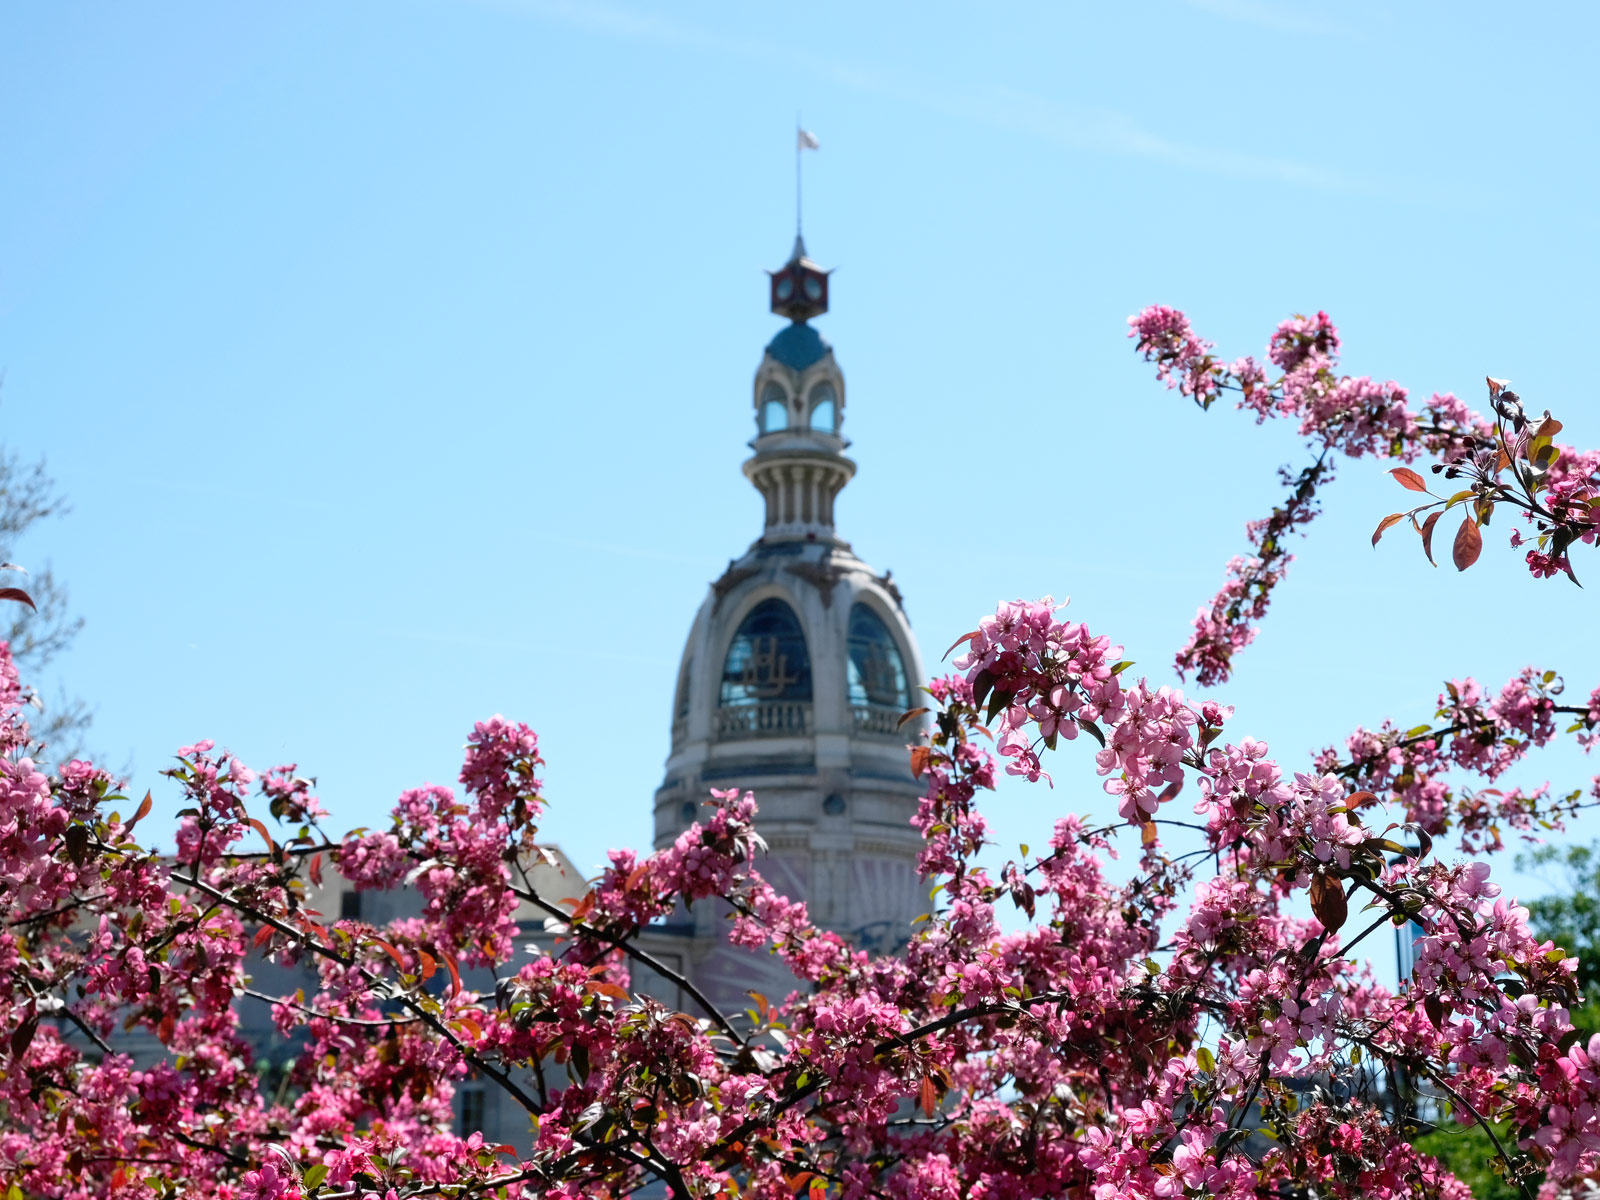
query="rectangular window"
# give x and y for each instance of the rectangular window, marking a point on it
(349, 906)
(473, 1111)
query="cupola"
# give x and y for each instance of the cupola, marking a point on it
(799, 287)
(799, 465)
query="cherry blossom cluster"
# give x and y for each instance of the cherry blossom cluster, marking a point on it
(1509, 460)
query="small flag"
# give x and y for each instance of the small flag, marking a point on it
(808, 141)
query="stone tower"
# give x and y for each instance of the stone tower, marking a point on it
(798, 667)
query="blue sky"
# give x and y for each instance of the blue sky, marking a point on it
(396, 356)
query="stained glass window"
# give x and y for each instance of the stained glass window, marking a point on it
(877, 672)
(767, 659)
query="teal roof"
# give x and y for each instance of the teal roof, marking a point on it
(797, 346)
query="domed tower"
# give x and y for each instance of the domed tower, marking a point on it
(797, 670)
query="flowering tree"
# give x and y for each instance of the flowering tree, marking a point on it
(1184, 1033)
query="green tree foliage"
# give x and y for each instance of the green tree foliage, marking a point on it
(1467, 1151)
(1571, 919)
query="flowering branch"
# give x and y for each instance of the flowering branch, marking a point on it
(1510, 460)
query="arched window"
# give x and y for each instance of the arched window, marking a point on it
(824, 411)
(877, 672)
(767, 659)
(681, 708)
(774, 408)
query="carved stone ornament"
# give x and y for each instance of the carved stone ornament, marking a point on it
(731, 578)
(886, 582)
(822, 576)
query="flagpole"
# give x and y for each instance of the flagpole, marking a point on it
(797, 127)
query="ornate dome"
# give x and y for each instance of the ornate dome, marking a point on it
(797, 670)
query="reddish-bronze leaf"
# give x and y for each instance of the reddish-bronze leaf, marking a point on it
(22, 1036)
(609, 989)
(77, 842)
(429, 965)
(1359, 800)
(262, 830)
(1328, 902)
(965, 637)
(1434, 1007)
(981, 683)
(585, 906)
(455, 974)
(1391, 519)
(928, 1096)
(920, 755)
(20, 596)
(399, 959)
(912, 715)
(1548, 427)
(1409, 479)
(1469, 544)
(1427, 534)
(145, 806)
(263, 935)
(316, 869)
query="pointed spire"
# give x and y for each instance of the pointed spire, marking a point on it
(799, 248)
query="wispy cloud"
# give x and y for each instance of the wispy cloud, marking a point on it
(1071, 127)
(1106, 131)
